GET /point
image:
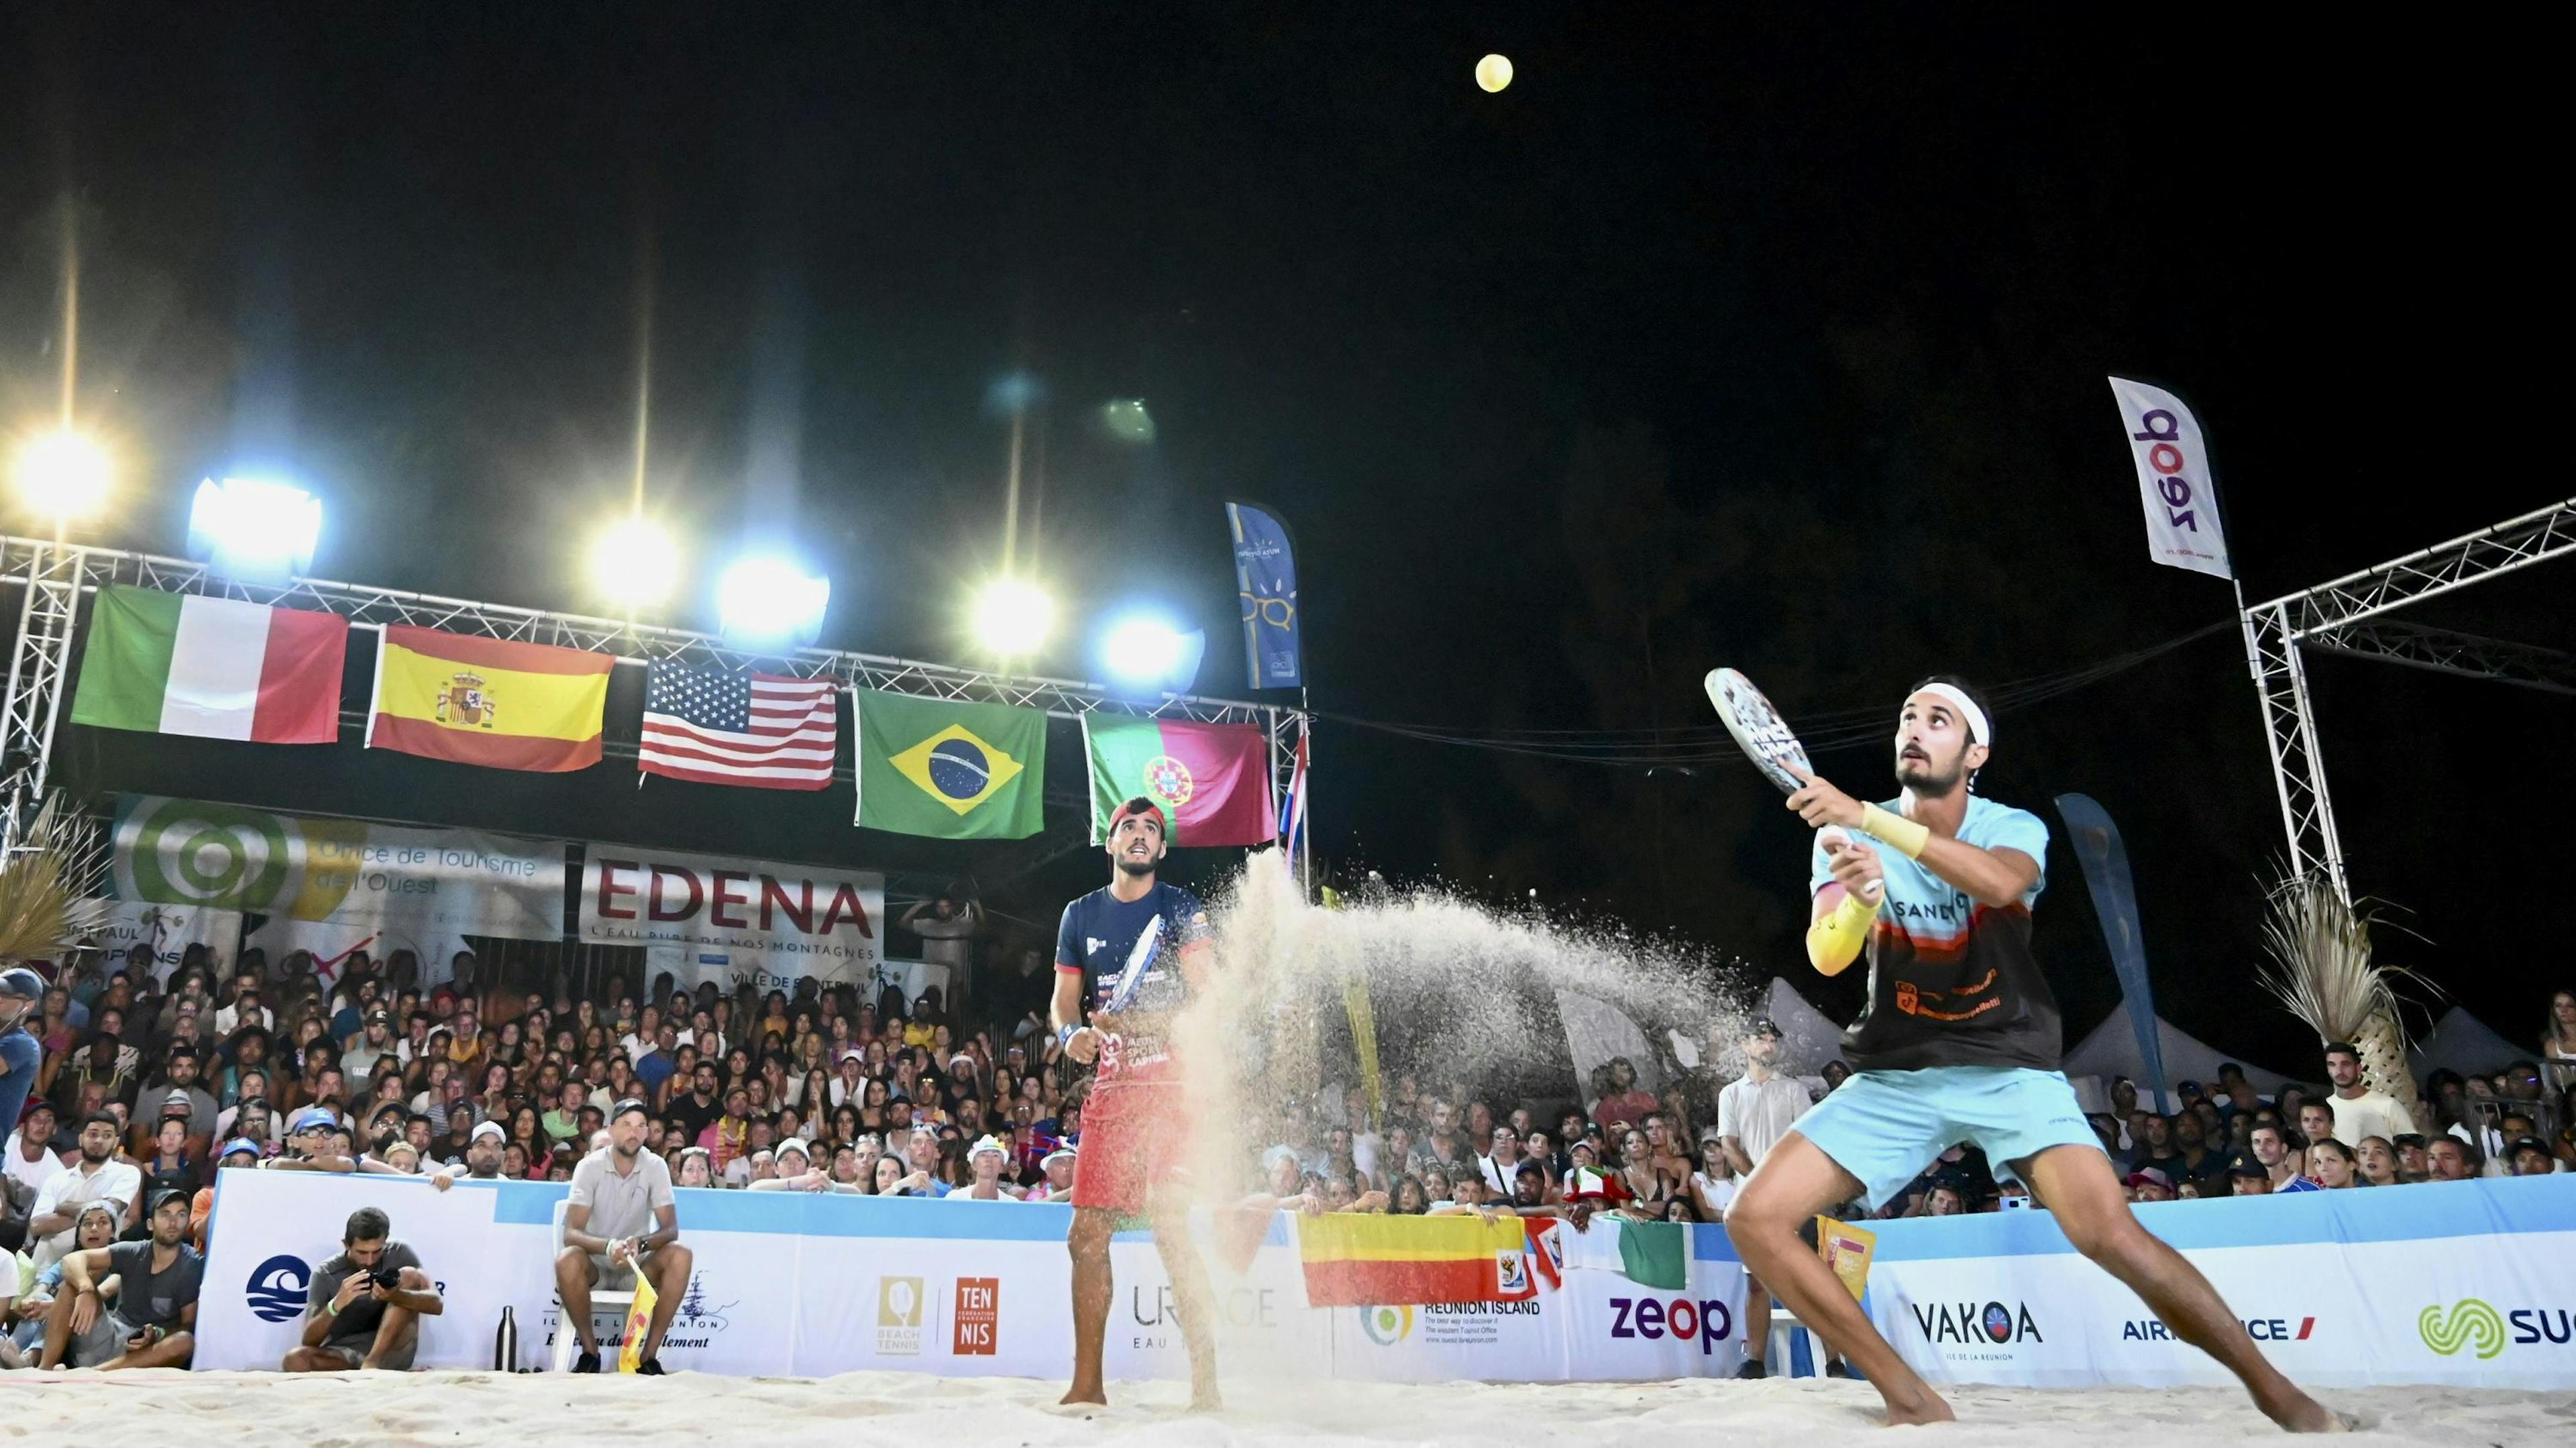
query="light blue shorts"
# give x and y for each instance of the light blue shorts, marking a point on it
(1885, 1127)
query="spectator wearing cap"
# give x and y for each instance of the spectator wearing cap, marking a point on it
(2530, 1156)
(2359, 1111)
(621, 1221)
(484, 1149)
(2249, 1179)
(987, 1157)
(372, 1044)
(364, 1306)
(1753, 1113)
(22, 991)
(29, 1159)
(315, 1141)
(1058, 1182)
(97, 1176)
(240, 1153)
(153, 1323)
(2150, 1184)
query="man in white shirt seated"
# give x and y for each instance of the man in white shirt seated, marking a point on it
(988, 1156)
(97, 1177)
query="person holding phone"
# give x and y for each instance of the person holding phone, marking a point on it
(365, 1305)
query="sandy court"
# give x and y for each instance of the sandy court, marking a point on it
(912, 1409)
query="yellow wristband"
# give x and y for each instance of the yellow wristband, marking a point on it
(1834, 942)
(1896, 830)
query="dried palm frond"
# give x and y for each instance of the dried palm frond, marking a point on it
(2322, 972)
(49, 883)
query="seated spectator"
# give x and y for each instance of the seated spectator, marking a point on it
(2377, 1159)
(364, 1307)
(986, 1159)
(153, 1322)
(30, 1159)
(2150, 1184)
(621, 1221)
(1712, 1187)
(2332, 1165)
(96, 1176)
(2530, 1156)
(2250, 1179)
(96, 1228)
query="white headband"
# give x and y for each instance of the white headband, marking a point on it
(1979, 732)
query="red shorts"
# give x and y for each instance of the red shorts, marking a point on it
(1135, 1136)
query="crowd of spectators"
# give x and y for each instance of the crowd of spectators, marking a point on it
(143, 1089)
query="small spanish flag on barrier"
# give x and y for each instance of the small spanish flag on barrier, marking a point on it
(492, 702)
(1360, 1260)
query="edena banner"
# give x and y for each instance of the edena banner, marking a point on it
(737, 920)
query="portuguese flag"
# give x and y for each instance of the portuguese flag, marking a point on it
(1357, 1259)
(216, 668)
(1212, 780)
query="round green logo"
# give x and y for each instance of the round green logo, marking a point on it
(2469, 1324)
(186, 853)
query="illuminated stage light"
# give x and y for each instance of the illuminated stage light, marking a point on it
(1149, 654)
(63, 475)
(1013, 618)
(768, 602)
(1494, 72)
(252, 528)
(635, 562)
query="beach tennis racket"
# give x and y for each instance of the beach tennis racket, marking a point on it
(1758, 728)
(1765, 739)
(1123, 989)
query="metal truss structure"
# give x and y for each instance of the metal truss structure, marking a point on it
(2347, 616)
(52, 578)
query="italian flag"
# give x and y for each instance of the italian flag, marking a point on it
(217, 668)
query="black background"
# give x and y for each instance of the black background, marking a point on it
(1726, 334)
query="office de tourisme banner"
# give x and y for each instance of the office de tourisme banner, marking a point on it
(2468, 1283)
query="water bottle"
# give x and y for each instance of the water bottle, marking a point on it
(505, 1343)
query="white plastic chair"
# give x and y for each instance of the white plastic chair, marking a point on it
(566, 1333)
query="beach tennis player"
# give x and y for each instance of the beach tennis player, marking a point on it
(1959, 1042)
(1131, 954)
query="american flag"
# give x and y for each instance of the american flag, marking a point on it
(747, 729)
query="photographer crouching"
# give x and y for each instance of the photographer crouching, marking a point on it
(365, 1307)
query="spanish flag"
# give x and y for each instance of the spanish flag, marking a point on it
(490, 702)
(1356, 1259)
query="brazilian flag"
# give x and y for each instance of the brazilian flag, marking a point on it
(948, 769)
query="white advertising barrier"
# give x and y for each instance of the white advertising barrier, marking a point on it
(812, 1285)
(736, 920)
(2470, 1284)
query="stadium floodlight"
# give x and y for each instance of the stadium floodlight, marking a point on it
(634, 562)
(63, 474)
(769, 602)
(1149, 653)
(1013, 618)
(255, 529)
(1128, 421)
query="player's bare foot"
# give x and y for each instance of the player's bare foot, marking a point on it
(2299, 1413)
(1204, 1397)
(1082, 1395)
(1928, 1408)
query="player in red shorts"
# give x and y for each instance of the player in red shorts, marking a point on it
(1135, 1125)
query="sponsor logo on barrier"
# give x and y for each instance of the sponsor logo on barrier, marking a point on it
(1681, 1319)
(1970, 1326)
(979, 1317)
(1153, 1311)
(2261, 1329)
(2476, 1327)
(696, 1321)
(1511, 1272)
(901, 1305)
(1386, 1326)
(279, 1288)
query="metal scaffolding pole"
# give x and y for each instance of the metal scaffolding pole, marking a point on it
(54, 577)
(2333, 615)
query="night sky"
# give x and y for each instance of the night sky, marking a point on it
(1774, 340)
